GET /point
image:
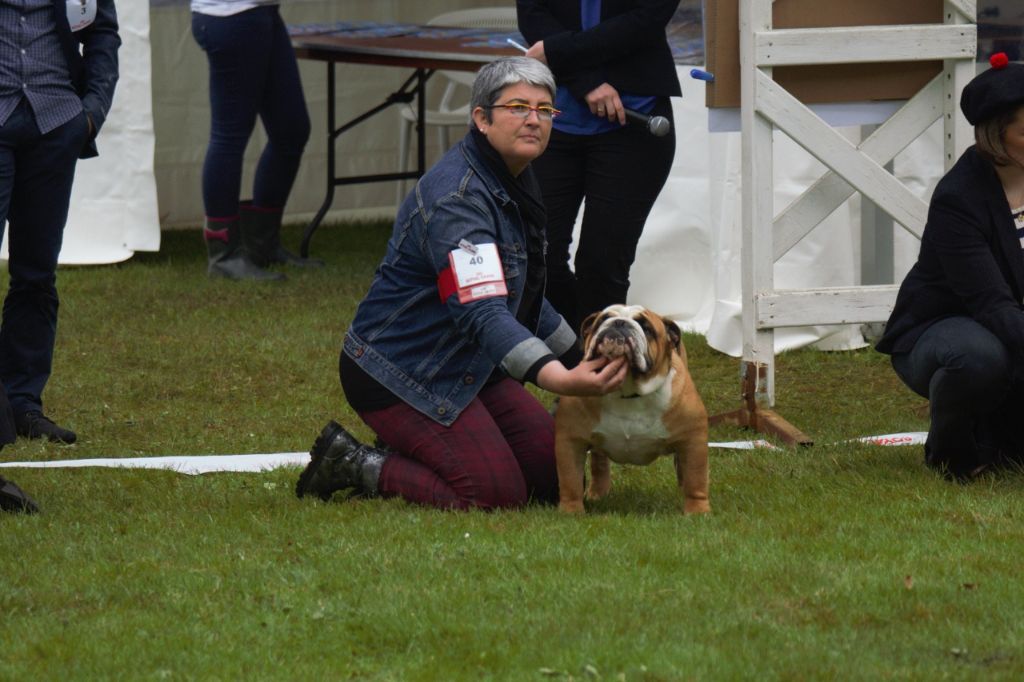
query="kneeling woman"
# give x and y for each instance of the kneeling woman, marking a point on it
(455, 320)
(956, 333)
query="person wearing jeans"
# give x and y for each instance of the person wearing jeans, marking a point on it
(58, 70)
(956, 332)
(455, 321)
(253, 74)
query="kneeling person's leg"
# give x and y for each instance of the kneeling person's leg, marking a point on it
(465, 465)
(529, 429)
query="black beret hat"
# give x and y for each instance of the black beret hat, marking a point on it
(993, 90)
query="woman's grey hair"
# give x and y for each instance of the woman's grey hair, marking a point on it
(501, 73)
(989, 136)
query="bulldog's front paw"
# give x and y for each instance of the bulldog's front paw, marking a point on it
(571, 507)
(692, 506)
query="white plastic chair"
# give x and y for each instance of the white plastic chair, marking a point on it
(453, 108)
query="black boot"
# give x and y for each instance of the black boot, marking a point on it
(962, 469)
(339, 461)
(261, 234)
(226, 256)
(14, 499)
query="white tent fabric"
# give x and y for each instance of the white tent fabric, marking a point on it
(113, 202)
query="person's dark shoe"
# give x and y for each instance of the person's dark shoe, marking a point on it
(14, 499)
(961, 474)
(338, 461)
(34, 424)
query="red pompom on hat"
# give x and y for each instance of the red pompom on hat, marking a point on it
(994, 90)
(999, 60)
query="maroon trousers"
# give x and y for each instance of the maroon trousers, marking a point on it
(499, 453)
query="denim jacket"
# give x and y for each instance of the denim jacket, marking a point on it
(436, 355)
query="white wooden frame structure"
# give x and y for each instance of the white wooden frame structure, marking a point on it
(766, 237)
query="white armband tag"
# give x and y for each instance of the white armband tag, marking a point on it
(478, 272)
(81, 13)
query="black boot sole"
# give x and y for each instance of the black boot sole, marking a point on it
(316, 457)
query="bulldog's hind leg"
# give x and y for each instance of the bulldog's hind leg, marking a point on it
(600, 477)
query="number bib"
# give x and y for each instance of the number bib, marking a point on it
(81, 13)
(475, 273)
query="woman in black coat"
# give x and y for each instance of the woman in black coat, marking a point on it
(607, 56)
(956, 333)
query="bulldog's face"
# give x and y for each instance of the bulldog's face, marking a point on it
(647, 340)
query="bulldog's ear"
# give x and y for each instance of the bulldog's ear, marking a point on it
(674, 334)
(588, 323)
(586, 329)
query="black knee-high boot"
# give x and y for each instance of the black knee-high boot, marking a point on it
(261, 234)
(226, 255)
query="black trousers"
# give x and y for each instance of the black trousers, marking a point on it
(965, 372)
(617, 175)
(36, 172)
(7, 429)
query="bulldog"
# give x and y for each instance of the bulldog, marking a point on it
(656, 411)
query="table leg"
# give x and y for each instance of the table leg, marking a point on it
(329, 196)
(421, 113)
(417, 82)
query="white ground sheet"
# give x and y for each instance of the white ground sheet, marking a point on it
(204, 464)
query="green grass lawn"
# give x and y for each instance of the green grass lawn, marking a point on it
(839, 561)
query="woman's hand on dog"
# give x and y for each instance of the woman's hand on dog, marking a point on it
(591, 377)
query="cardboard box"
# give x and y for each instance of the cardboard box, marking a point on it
(817, 84)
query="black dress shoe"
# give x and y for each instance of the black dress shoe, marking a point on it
(34, 424)
(14, 499)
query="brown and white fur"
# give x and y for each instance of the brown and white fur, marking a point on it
(656, 411)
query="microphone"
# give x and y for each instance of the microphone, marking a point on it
(656, 125)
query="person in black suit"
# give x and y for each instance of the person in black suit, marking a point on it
(58, 70)
(956, 333)
(607, 56)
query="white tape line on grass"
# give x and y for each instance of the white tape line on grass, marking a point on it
(204, 464)
(185, 464)
(744, 445)
(889, 439)
(916, 438)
